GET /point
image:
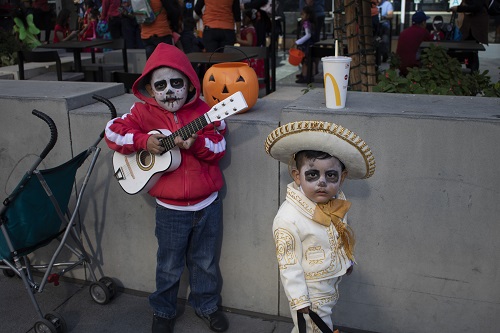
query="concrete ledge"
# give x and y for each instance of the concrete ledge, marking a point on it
(6, 76)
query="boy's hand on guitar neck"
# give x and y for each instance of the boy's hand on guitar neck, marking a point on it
(185, 144)
(153, 145)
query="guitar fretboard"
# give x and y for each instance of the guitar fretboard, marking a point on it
(185, 132)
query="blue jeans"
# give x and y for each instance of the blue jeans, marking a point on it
(191, 239)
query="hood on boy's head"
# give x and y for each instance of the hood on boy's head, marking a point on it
(166, 55)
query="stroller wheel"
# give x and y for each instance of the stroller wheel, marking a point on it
(110, 284)
(8, 273)
(44, 326)
(100, 293)
(58, 321)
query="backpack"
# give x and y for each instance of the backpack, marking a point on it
(494, 8)
(143, 12)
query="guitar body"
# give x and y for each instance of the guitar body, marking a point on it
(139, 171)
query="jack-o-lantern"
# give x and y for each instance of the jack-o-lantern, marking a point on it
(224, 79)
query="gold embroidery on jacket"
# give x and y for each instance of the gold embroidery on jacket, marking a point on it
(298, 301)
(285, 248)
(315, 255)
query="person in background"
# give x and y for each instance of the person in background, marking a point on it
(162, 29)
(89, 21)
(222, 22)
(308, 22)
(43, 18)
(190, 42)
(89, 31)
(409, 42)
(188, 206)
(24, 27)
(386, 12)
(62, 31)
(262, 21)
(248, 34)
(437, 28)
(319, 13)
(375, 18)
(474, 26)
(248, 37)
(111, 13)
(131, 30)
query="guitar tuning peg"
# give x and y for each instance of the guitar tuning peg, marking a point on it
(218, 117)
(223, 104)
(231, 100)
(234, 109)
(215, 109)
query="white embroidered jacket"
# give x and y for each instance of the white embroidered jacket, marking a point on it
(306, 250)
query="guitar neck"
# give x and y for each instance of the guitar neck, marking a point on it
(185, 132)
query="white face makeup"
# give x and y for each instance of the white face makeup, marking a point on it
(170, 88)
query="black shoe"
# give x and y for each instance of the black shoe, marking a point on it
(162, 325)
(216, 321)
(301, 80)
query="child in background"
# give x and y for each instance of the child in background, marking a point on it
(314, 244)
(88, 31)
(248, 34)
(61, 30)
(437, 28)
(308, 25)
(24, 27)
(188, 208)
(248, 37)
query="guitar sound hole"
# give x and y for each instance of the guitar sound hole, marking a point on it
(145, 158)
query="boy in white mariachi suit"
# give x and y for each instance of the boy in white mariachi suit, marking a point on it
(314, 244)
(188, 209)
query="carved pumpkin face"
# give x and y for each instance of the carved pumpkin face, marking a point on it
(224, 79)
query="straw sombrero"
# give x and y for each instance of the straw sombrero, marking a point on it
(350, 149)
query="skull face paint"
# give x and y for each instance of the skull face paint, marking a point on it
(170, 88)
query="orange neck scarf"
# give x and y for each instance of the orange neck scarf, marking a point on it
(333, 212)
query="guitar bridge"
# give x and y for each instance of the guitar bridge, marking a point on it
(119, 174)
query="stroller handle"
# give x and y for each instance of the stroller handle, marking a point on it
(110, 105)
(106, 101)
(53, 131)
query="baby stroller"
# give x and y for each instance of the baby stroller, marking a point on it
(35, 214)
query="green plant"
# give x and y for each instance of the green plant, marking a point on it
(309, 87)
(9, 45)
(439, 74)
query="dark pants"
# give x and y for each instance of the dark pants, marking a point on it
(43, 21)
(115, 27)
(131, 33)
(216, 39)
(151, 43)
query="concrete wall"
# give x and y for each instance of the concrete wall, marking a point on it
(425, 222)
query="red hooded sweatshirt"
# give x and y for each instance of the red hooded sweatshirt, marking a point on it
(198, 175)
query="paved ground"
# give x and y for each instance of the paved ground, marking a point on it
(125, 313)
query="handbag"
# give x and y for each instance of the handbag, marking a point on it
(316, 320)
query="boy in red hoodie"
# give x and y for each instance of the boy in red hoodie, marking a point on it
(188, 209)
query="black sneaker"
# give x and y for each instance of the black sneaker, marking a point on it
(301, 80)
(216, 321)
(162, 325)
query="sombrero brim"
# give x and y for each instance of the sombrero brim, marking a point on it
(349, 148)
